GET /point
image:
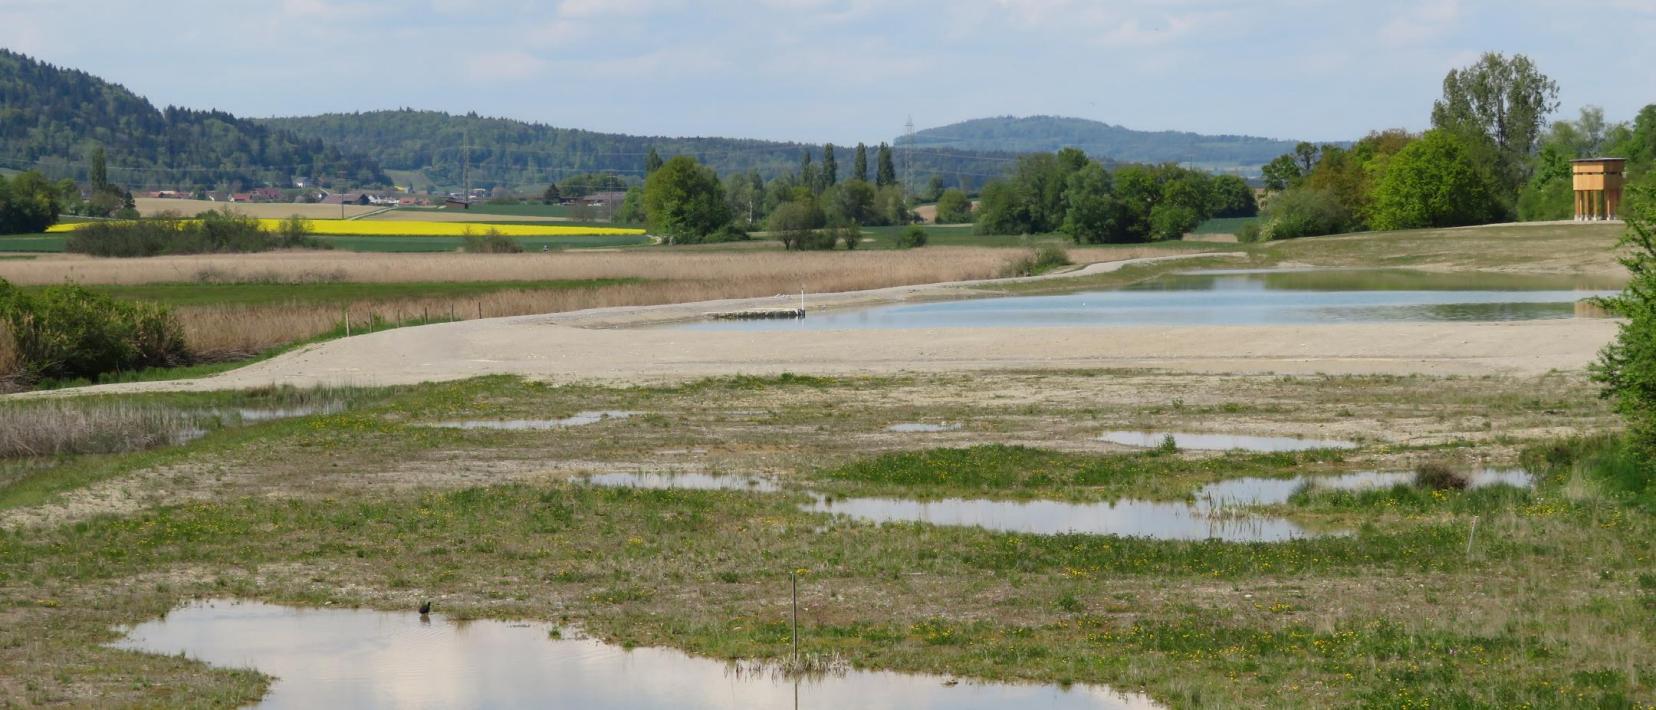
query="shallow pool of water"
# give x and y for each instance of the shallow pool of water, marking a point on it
(579, 419)
(252, 416)
(1240, 297)
(1221, 442)
(1209, 515)
(340, 658)
(685, 481)
(1157, 520)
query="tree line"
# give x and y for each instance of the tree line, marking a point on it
(500, 152)
(1490, 156)
(814, 206)
(1070, 193)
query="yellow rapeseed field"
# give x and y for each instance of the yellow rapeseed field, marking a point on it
(369, 228)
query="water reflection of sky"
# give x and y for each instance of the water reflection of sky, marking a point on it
(1208, 516)
(1226, 298)
(340, 658)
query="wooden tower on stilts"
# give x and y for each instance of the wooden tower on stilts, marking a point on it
(1598, 188)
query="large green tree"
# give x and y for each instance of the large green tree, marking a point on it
(954, 207)
(830, 167)
(29, 204)
(886, 172)
(1092, 207)
(1505, 101)
(1436, 181)
(1230, 196)
(684, 201)
(859, 163)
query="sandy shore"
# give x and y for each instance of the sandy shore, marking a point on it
(591, 346)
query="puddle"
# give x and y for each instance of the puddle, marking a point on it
(921, 428)
(1204, 518)
(684, 481)
(1222, 442)
(364, 659)
(1158, 520)
(579, 419)
(252, 416)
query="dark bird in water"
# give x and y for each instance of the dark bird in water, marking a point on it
(425, 608)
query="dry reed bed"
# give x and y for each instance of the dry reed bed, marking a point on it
(57, 428)
(817, 271)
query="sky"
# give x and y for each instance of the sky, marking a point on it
(845, 70)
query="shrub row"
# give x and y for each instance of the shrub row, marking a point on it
(208, 233)
(68, 331)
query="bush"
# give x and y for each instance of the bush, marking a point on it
(69, 331)
(795, 224)
(209, 233)
(1249, 233)
(1439, 476)
(1039, 261)
(912, 238)
(849, 235)
(1304, 212)
(490, 242)
(954, 207)
(728, 233)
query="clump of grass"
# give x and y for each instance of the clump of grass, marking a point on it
(1439, 476)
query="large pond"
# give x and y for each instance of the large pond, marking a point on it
(1234, 297)
(345, 658)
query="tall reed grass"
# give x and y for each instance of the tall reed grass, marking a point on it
(64, 427)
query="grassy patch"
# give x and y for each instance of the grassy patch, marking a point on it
(1224, 225)
(1551, 608)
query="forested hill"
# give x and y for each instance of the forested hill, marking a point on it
(1105, 141)
(520, 154)
(52, 117)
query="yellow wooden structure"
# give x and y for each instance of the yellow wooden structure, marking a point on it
(1598, 188)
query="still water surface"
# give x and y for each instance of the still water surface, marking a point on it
(1208, 516)
(1235, 297)
(347, 658)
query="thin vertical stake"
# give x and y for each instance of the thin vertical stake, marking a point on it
(794, 577)
(347, 314)
(1470, 534)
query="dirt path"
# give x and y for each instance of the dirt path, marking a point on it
(589, 345)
